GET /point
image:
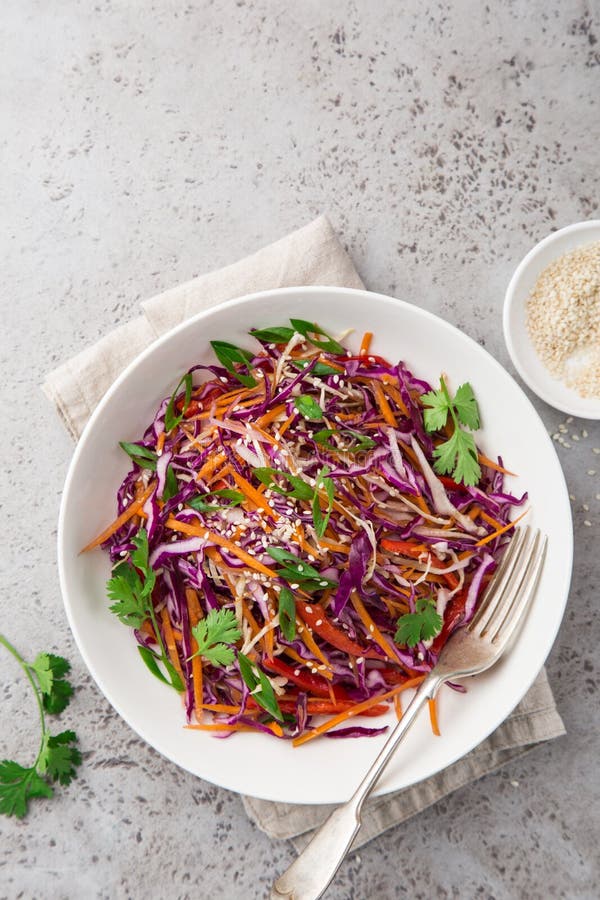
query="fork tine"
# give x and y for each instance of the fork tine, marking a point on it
(512, 586)
(524, 592)
(495, 591)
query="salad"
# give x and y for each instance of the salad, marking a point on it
(301, 530)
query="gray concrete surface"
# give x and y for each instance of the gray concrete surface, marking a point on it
(146, 142)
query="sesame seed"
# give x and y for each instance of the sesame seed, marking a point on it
(569, 420)
(308, 609)
(597, 496)
(371, 628)
(575, 437)
(584, 433)
(585, 506)
(571, 496)
(591, 471)
(360, 659)
(296, 672)
(294, 586)
(568, 446)
(555, 436)
(563, 429)
(587, 522)
(596, 450)
(322, 584)
(319, 622)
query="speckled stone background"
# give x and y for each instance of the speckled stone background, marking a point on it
(146, 142)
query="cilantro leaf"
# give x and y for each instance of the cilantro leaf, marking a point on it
(59, 757)
(421, 625)
(59, 697)
(228, 355)
(467, 466)
(466, 407)
(47, 667)
(140, 559)
(171, 417)
(436, 416)
(17, 786)
(459, 456)
(256, 680)
(308, 407)
(214, 633)
(129, 605)
(128, 589)
(287, 614)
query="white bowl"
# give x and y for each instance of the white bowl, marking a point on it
(323, 771)
(516, 334)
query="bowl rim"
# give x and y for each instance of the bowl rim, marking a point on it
(538, 388)
(248, 299)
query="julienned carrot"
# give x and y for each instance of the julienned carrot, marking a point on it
(433, 717)
(490, 520)
(237, 726)
(134, 509)
(306, 637)
(384, 406)
(271, 415)
(170, 641)
(210, 465)
(356, 710)
(213, 538)
(365, 343)
(252, 494)
(371, 627)
(485, 461)
(195, 614)
(495, 534)
(398, 706)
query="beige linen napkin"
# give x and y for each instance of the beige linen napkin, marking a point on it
(311, 255)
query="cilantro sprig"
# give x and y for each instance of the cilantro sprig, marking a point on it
(58, 755)
(421, 625)
(131, 589)
(457, 455)
(213, 634)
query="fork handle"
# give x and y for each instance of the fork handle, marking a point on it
(310, 874)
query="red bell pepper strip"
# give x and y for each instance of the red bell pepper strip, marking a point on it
(312, 684)
(314, 616)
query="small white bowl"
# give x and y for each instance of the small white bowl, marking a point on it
(516, 334)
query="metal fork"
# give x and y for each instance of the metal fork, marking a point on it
(470, 650)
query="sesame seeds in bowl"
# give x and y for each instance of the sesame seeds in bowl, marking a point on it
(552, 319)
